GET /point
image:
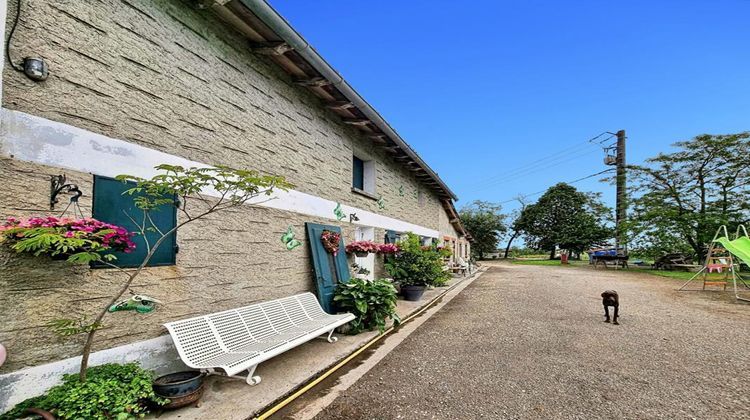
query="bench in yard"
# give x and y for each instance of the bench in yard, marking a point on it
(239, 339)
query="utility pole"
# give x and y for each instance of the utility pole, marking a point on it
(622, 205)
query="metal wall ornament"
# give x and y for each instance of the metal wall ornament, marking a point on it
(381, 203)
(140, 303)
(288, 239)
(401, 191)
(340, 215)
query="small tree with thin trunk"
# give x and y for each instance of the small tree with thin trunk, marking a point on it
(196, 192)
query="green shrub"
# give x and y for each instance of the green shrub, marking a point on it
(372, 302)
(417, 265)
(111, 391)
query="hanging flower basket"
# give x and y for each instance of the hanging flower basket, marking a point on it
(388, 249)
(362, 248)
(65, 237)
(331, 240)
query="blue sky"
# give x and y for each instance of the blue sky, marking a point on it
(483, 88)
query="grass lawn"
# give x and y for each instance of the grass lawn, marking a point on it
(678, 275)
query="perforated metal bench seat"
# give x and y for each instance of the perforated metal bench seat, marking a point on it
(239, 339)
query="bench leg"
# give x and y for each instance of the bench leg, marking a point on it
(330, 338)
(252, 380)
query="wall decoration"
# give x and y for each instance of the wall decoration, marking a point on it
(140, 303)
(330, 240)
(381, 203)
(401, 191)
(288, 239)
(340, 215)
(415, 194)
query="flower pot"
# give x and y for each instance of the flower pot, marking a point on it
(361, 254)
(412, 293)
(181, 388)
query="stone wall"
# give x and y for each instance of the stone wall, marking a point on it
(164, 75)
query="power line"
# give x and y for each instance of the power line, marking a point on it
(527, 172)
(569, 182)
(544, 162)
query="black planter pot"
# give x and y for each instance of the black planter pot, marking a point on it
(412, 293)
(361, 254)
(182, 388)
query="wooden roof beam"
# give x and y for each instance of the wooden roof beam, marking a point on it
(312, 82)
(339, 105)
(275, 48)
(359, 122)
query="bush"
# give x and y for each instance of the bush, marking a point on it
(417, 265)
(371, 302)
(112, 391)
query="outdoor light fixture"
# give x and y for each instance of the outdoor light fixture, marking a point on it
(353, 217)
(35, 68)
(58, 185)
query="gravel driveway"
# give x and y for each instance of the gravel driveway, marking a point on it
(529, 342)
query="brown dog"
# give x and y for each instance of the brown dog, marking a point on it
(610, 298)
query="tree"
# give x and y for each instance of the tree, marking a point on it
(486, 223)
(516, 231)
(680, 199)
(565, 218)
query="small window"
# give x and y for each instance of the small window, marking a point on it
(111, 206)
(358, 173)
(363, 177)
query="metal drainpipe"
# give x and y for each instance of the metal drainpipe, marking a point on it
(281, 27)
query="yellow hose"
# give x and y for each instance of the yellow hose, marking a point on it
(283, 403)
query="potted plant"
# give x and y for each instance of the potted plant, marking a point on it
(111, 391)
(415, 267)
(371, 301)
(362, 248)
(388, 249)
(65, 238)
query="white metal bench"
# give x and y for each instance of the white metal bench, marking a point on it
(240, 339)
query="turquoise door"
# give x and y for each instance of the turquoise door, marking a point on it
(330, 270)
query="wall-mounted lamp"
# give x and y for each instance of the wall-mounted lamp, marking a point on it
(353, 218)
(35, 68)
(58, 185)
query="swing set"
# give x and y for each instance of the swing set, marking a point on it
(723, 261)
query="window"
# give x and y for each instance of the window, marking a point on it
(358, 173)
(111, 206)
(363, 177)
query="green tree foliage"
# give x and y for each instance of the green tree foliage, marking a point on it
(565, 218)
(486, 223)
(112, 391)
(681, 198)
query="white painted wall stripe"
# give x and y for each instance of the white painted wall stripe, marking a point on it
(39, 140)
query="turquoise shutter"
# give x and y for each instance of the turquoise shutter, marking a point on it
(111, 206)
(329, 270)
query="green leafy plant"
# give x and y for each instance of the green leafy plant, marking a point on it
(112, 391)
(417, 265)
(371, 302)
